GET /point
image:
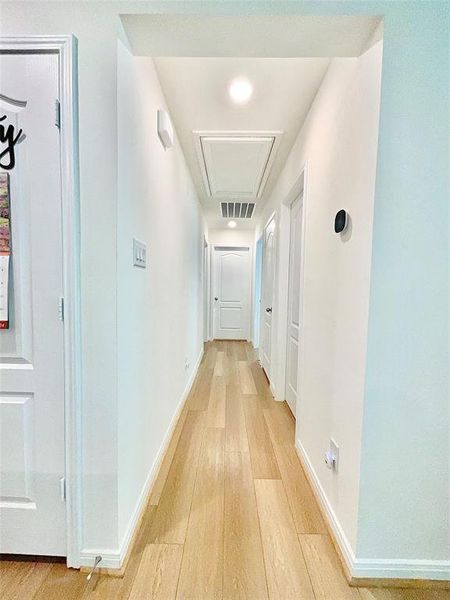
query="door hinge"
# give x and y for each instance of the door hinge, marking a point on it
(62, 488)
(61, 309)
(58, 114)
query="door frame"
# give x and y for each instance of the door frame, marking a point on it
(282, 291)
(66, 48)
(215, 247)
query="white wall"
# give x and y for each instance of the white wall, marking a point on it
(390, 416)
(160, 308)
(97, 32)
(231, 237)
(408, 326)
(97, 27)
(339, 142)
(404, 498)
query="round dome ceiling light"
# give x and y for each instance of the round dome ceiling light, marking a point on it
(240, 90)
(232, 224)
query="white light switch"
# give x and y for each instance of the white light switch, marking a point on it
(139, 254)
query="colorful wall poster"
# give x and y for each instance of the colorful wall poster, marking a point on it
(5, 249)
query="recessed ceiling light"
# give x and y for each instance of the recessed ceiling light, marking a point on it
(232, 224)
(240, 90)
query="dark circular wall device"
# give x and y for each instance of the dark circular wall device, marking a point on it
(340, 221)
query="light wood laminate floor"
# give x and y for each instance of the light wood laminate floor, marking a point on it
(231, 515)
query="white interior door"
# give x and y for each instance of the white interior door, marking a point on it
(232, 291)
(268, 269)
(205, 293)
(32, 510)
(293, 325)
(257, 298)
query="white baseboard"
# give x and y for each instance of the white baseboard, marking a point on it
(275, 395)
(340, 537)
(114, 559)
(376, 568)
(430, 570)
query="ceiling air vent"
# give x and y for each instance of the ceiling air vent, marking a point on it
(237, 210)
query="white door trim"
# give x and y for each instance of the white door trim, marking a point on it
(66, 47)
(282, 277)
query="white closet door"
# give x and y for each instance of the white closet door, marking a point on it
(32, 510)
(268, 265)
(293, 325)
(232, 292)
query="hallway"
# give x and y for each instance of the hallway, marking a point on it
(223, 272)
(231, 514)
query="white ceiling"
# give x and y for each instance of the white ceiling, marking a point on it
(196, 91)
(249, 35)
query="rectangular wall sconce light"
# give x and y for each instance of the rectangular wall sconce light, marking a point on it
(165, 129)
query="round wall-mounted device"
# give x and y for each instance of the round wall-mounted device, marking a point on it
(340, 221)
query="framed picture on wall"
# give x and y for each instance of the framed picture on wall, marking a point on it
(5, 248)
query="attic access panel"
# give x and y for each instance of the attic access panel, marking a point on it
(236, 165)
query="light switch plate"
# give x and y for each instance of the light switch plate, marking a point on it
(139, 254)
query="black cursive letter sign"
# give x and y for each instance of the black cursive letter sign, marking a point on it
(7, 137)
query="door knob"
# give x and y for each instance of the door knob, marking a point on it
(216, 298)
(269, 309)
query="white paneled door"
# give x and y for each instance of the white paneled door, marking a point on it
(293, 325)
(32, 508)
(268, 266)
(231, 293)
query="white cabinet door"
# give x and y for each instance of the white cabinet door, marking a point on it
(268, 263)
(32, 510)
(293, 325)
(231, 293)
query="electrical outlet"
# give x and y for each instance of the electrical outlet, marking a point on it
(332, 456)
(186, 364)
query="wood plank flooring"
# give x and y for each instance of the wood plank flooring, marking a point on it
(231, 515)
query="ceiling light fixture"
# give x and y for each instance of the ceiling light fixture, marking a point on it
(240, 90)
(232, 224)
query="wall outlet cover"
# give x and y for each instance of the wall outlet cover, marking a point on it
(334, 451)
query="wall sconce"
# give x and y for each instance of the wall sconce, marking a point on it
(165, 129)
